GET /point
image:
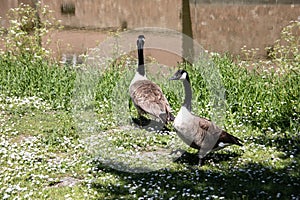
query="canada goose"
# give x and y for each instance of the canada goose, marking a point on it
(147, 97)
(197, 132)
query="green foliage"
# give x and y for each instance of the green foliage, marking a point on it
(24, 77)
(111, 93)
(43, 153)
(265, 93)
(26, 27)
(264, 99)
(107, 82)
(286, 50)
(25, 65)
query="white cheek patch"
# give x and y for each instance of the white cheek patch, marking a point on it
(183, 76)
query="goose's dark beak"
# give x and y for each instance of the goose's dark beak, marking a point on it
(176, 76)
(180, 74)
(173, 78)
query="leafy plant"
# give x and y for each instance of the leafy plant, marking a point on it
(24, 34)
(285, 53)
(264, 92)
(26, 67)
(43, 153)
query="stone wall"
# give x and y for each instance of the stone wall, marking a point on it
(102, 14)
(227, 28)
(219, 27)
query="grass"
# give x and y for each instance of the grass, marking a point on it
(44, 153)
(24, 79)
(66, 133)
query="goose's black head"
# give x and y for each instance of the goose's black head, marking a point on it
(181, 74)
(140, 41)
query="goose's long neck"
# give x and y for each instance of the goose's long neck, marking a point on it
(141, 67)
(188, 94)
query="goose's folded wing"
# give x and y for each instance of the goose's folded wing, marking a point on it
(198, 131)
(149, 97)
(204, 124)
(208, 135)
(217, 135)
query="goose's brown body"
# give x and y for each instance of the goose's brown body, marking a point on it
(147, 96)
(149, 99)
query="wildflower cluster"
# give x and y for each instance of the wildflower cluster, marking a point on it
(25, 31)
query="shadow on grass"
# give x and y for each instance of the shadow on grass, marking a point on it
(141, 121)
(216, 157)
(289, 144)
(248, 181)
(144, 123)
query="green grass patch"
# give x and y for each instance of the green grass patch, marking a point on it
(65, 131)
(44, 153)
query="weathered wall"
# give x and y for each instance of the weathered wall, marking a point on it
(227, 28)
(113, 14)
(217, 26)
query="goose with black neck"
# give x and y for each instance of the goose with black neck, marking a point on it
(147, 96)
(195, 131)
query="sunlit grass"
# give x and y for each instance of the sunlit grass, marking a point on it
(54, 146)
(43, 153)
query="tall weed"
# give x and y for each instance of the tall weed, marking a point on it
(26, 67)
(265, 93)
